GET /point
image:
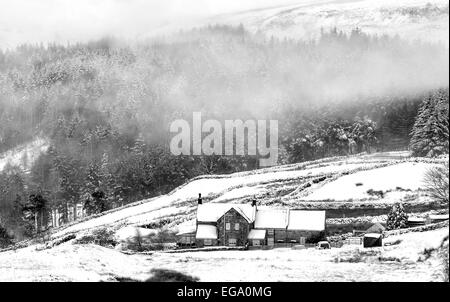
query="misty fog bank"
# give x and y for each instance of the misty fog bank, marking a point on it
(223, 72)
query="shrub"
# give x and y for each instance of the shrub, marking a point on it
(103, 237)
(153, 242)
(373, 192)
(397, 217)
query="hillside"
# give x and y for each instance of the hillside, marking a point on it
(301, 186)
(401, 259)
(337, 184)
(410, 19)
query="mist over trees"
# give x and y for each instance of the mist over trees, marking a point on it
(106, 107)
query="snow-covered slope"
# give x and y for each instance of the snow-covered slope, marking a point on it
(301, 19)
(25, 155)
(405, 176)
(279, 186)
(411, 19)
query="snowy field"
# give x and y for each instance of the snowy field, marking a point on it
(70, 262)
(406, 176)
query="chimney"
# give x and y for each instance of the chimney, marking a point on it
(200, 201)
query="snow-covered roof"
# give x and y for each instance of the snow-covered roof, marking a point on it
(257, 234)
(373, 235)
(187, 227)
(205, 231)
(211, 212)
(306, 220)
(439, 217)
(267, 218)
(416, 219)
(376, 228)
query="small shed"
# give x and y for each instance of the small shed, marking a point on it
(257, 237)
(373, 240)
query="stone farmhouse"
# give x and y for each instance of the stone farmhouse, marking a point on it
(250, 225)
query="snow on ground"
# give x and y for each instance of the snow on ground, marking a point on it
(24, 156)
(212, 186)
(69, 262)
(240, 193)
(145, 212)
(404, 175)
(413, 242)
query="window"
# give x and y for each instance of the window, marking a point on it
(207, 242)
(236, 226)
(256, 242)
(232, 242)
(227, 226)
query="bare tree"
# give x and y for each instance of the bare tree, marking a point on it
(436, 182)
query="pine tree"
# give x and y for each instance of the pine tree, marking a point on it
(37, 209)
(397, 217)
(91, 185)
(430, 134)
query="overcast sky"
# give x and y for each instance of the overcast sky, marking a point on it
(72, 20)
